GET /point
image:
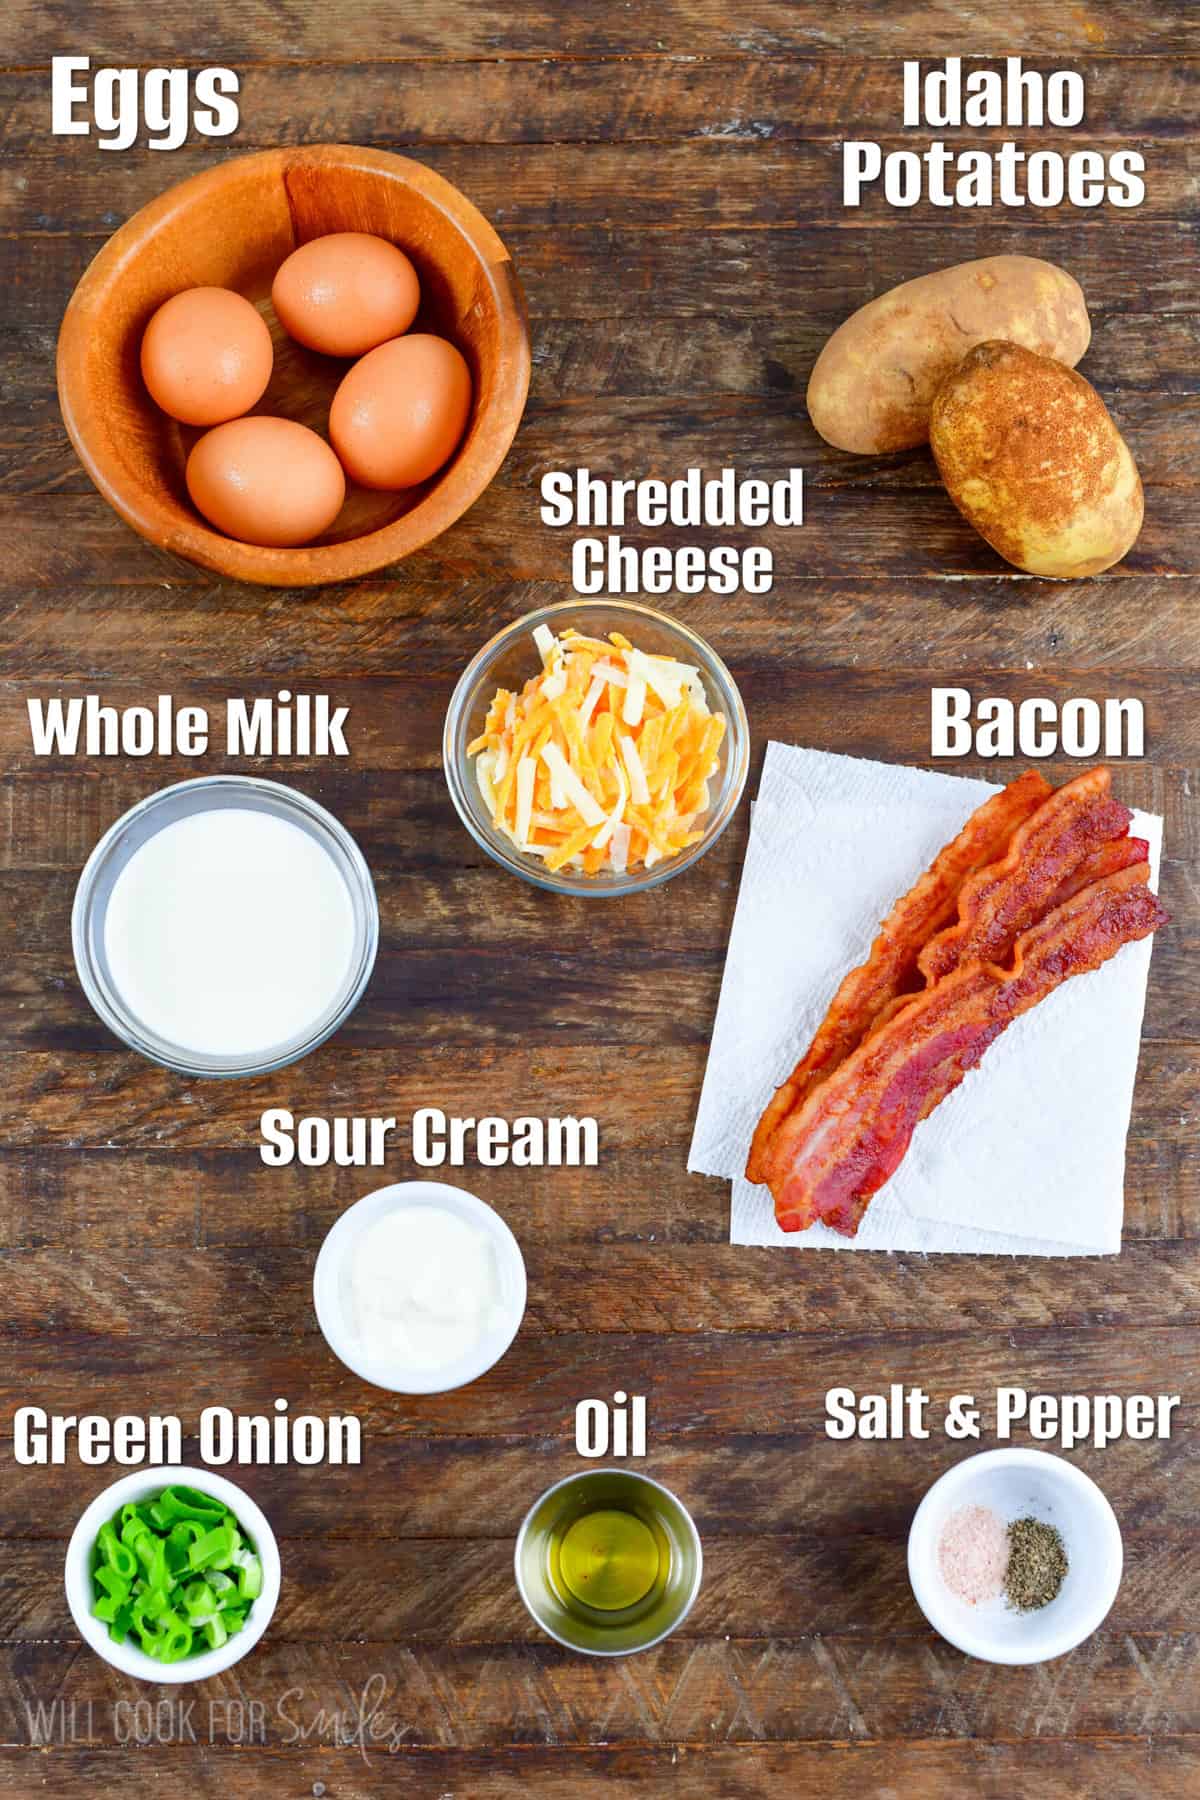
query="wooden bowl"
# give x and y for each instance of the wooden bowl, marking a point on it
(232, 227)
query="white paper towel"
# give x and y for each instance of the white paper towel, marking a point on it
(1027, 1156)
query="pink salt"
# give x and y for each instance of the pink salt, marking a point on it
(973, 1554)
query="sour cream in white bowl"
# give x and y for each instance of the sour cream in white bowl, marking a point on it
(420, 1287)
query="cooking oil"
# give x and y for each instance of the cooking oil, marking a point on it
(609, 1559)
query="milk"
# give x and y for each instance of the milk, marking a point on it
(229, 932)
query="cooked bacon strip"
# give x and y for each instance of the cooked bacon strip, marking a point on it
(1003, 900)
(1105, 859)
(840, 1147)
(891, 967)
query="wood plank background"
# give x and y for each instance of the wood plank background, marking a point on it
(668, 182)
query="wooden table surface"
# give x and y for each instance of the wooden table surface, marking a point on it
(668, 181)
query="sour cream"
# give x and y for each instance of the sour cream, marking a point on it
(422, 1288)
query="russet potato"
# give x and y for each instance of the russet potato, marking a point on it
(873, 384)
(1031, 458)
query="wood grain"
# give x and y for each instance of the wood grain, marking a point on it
(260, 30)
(739, 1484)
(627, 1288)
(124, 1195)
(767, 182)
(649, 98)
(558, 434)
(669, 188)
(851, 531)
(710, 1380)
(755, 274)
(1062, 1769)
(963, 628)
(461, 1592)
(722, 1691)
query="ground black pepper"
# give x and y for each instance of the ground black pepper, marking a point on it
(1037, 1564)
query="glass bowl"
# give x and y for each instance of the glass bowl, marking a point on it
(143, 821)
(510, 658)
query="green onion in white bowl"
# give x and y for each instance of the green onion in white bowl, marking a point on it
(172, 1574)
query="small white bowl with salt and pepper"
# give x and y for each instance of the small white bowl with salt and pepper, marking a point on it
(958, 1550)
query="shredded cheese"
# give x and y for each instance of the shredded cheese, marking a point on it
(662, 678)
(602, 762)
(577, 795)
(594, 696)
(639, 787)
(634, 708)
(546, 642)
(614, 818)
(526, 776)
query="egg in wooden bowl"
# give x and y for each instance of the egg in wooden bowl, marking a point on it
(233, 227)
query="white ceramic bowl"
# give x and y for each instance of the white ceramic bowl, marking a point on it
(1019, 1484)
(329, 1296)
(129, 1657)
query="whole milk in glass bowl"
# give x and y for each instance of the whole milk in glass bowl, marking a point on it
(618, 769)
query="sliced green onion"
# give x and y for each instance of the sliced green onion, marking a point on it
(250, 1576)
(157, 1573)
(150, 1606)
(116, 1586)
(179, 1541)
(200, 1603)
(190, 1503)
(119, 1630)
(215, 1549)
(133, 1531)
(176, 1639)
(177, 1571)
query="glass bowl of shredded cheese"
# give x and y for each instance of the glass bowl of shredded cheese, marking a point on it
(596, 747)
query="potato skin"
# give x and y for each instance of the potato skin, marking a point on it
(873, 384)
(1031, 458)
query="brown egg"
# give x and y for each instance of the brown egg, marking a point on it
(345, 293)
(206, 356)
(400, 412)
(266, 481)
